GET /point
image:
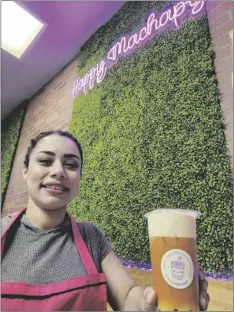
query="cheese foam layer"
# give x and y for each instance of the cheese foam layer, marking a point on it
(172, 223)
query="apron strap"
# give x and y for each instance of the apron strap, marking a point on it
(82, 248)
(15, 217)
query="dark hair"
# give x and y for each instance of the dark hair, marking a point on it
(43, 134)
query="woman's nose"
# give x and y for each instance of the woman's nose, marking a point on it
(57, 170)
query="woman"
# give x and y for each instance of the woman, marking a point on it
(50, 262)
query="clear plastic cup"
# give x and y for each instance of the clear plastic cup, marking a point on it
(173, 249)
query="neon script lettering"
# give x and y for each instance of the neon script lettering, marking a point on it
(171, 18)
(96, 74)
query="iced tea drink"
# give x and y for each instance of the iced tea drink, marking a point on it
(173, 249)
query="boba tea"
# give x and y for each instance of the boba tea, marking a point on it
(173, 249)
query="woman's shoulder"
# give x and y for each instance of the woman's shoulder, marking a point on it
(5, 221)
(88, 227)
(7, 218)
(98, 244)
(92, 233)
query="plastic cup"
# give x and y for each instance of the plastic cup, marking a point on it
(173, 250)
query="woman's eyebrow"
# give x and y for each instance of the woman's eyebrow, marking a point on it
(65, 155)
(71, 155)
(47, 152)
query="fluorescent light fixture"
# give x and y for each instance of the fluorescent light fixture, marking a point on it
(19, 28)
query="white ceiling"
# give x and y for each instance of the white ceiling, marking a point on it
(68, 26)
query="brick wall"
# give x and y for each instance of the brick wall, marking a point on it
(51, 108)
(220, 16)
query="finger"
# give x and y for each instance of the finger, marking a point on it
(201, 275)
(202, 281)
(203, 286)
(208, 299)
(204, 302)
(149, 300)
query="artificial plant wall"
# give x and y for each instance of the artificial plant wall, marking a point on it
(11, 128)
(153, 136)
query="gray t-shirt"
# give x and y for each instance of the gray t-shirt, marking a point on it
(36, 256)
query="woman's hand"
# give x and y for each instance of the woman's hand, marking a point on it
(125, 295)
(149, 299)
(203, 294)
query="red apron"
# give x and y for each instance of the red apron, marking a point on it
(83, 293)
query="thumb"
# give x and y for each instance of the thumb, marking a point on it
(149, 300)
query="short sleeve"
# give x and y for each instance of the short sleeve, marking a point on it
(98, 244)
(103, 242)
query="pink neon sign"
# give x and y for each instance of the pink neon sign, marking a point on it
(156, 22)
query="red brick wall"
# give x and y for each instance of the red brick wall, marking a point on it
(220, 16)
(50, 109)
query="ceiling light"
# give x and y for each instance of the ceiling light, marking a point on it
(19, 28)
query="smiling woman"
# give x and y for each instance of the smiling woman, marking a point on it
(52, 262)
(53, 165)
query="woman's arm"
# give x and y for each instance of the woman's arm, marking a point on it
(123, 292)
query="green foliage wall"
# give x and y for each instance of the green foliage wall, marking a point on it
(11, 128)
(153, 136)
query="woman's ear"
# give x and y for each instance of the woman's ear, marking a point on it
(25, 171)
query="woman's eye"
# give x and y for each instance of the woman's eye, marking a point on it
(45, 162)
(72, 165)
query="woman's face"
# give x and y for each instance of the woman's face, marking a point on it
(53, 175)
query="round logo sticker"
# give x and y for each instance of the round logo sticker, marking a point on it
(177, 268)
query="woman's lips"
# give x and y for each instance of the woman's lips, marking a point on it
(55, 189)
(55, 192)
